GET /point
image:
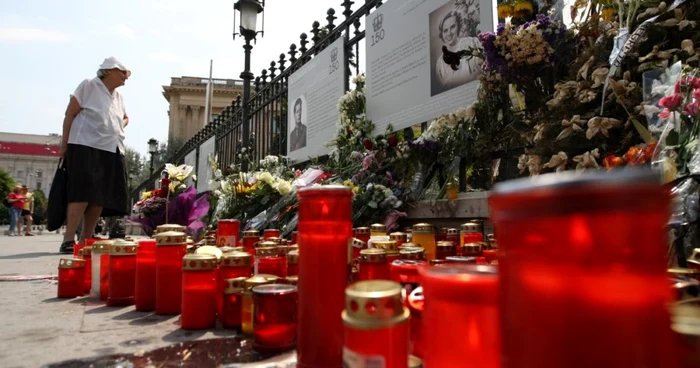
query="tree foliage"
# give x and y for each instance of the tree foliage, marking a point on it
(6, 185)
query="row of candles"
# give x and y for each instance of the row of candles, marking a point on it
(579, 257)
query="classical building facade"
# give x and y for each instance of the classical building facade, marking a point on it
(187, 98)
(30, 159)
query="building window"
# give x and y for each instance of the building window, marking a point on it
(38, 173)
(38, 185)
(20, 173)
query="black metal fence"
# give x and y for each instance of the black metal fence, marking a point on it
(267, 108)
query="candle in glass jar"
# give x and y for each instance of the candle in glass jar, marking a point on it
(172, 227)
(76, 249)
(122, 273)
(389, 246)
(377, 230)
(269, 261)
(415, 253)
(374, 265)
(104, 275)
(292, 280)
(460, 260)
(233, 265)
(491, 256)
(574, 246)
(145, 288)
(325, 229)
(71, 277)
(248, 305)
(376, 326)
(199, 291)
(86, 254)
(271, 233)
(441, 235)
(445, 249)
(231, 314)
(227, 232)
(99, 248)
(357, 246)
(399, 238)
(274, 317)
(362, 233)
(461, 307)
(470, 233)
(292, 263)
(452, 235)
(170, 248)
(424, 235)
(471, 250)
(250, 237)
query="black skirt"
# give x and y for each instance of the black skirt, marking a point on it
(97, 177)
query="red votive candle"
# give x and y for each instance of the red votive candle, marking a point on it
(471, 250)
(377, 230)
(325, 227)
(122, 273)
(445, 249)
(104, 275)
(362, 233)
(405, 272)
(274, 317)
(452, 235)
(390, 247)
(175, 227)
(441, 235)
(491, 256)
(170, 248)
(460, 260)
(412, 253)
(471, 233)
(250, 237)
(574, 247)
(71, 277)
(376, 325)
(227, 233)
(461, 307)
(357, 246)
(230, 316)
(271, 233)
(199, 291)
(86, 254)
(399, 237)
(268, 261)
(145, 289)
(99, 248)
(76, 249)
(293, 263)
(373, 265)
(233, 265)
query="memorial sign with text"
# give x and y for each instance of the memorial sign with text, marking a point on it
(408, 79)
(191, 160)
(313, 94)
(204, 169)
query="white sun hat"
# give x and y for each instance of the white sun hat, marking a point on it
(112, 63)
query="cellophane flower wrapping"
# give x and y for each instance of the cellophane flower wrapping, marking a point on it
(185, 209)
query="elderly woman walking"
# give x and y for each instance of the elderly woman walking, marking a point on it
(93, 151)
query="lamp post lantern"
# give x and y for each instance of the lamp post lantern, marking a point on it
(152, 149)
(248, 12)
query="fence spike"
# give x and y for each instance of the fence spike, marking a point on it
(303, 42)
(356, 23)
(347, 4)
(292, 53)
(282, 62)
(330, 18)
(273, 69)
(238, 102)
(379, 3)
(257, 84)
(315, 30)
(263, 77)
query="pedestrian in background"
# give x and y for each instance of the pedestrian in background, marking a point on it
(27, 212)
(17, 204)
(93, 151)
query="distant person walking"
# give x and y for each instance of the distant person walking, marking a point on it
(27, 212)
(93, 151)
(16, 205)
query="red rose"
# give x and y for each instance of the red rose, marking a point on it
(393, 140)
(671, 102)
(368, 144)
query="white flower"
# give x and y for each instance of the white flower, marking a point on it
(218, 174)
(284, 187)
(179, 173)
(194, 177)
(214, 185)
(265, 177)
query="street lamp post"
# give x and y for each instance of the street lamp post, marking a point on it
(152, 149)
(249, 10)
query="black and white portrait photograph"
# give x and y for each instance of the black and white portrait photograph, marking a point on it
(453, 30)
(297, 123)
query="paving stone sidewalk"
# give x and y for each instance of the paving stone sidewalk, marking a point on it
(38, 329)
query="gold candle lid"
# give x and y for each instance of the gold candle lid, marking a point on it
(227, 249)
(471, 248)
(102, 246)
(123, 248)
(257, 280)
(399, 237)
(71, 263)
(191, 248)
(388, 245)
(278, 241)
(460, 259)
(283, 250)
(412, 253)
(266, 252)
(471, 227)
(266, 244)
(437, 262)
(199, 262)
(234, 286)
(293, 257)
(443, 230)
(378, 228)
(445, 246)
(170, 227)
(453, 231)
(251, 234)
(683, 272)
(423, 228)
(373, 255)
(240, 249)
(85, 252)
(292, 280)
(169, 238)
(414, 362)
(210, 240)
(695, 255)
(236, 259)
(374, 304)
(357, 243)
(410, 245)
(361, 231)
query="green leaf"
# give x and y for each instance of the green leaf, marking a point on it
(372, 204)
(264, 200)
(643, 132)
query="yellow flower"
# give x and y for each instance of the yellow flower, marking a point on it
(146, 195)
(355, 189)
(348, 183)
(505, 10)
(609, 12)
(522, 8)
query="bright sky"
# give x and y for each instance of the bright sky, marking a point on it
(48, 47)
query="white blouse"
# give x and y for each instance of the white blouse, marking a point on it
(100, 122)
(467, 70)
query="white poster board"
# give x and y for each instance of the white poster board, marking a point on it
(191, 160)
(408, 82)
(204, 171)
(312, 106)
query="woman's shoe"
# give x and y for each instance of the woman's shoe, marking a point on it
(67, 246)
